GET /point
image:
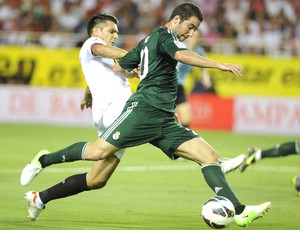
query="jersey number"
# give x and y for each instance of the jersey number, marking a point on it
(144, 62)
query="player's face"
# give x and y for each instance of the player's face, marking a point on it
(186, 28)
(109, 33)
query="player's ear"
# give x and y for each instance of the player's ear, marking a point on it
(176, 19)
(96, 31)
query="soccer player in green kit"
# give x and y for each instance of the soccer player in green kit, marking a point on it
(149, 114)
(280, 150)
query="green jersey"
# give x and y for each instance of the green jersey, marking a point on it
(155, 54)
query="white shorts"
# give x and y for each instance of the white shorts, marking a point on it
(113, 110)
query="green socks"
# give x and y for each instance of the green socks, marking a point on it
(281, 150)
(217, 182)
(74, 152)
(71, 186)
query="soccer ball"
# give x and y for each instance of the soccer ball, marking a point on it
(218, 212)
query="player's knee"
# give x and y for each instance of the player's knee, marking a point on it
(99, 154)
(96, 184)
(212, 157)
(206, 157)
(94, 153)
(215, 154)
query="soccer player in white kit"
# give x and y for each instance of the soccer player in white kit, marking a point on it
(109, 91)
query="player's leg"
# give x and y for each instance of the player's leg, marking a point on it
(280, 150)
(191, 146)
(44, 159)
(96, 178)
(177, 141)
(120, 132)
(201, 152)
(183, 107)
(94, 151)
(183, 111)
(76, 151)
(102, 170)
(98, 150)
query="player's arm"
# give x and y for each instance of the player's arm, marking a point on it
(128, 74)
(87, 101)
(117, 67)
(193, 59)
(115, 53)
(129, 63)
(205, 79)
(107, 51)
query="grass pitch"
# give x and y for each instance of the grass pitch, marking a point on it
(148, 191)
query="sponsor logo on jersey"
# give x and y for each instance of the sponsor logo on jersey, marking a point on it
(180, 44)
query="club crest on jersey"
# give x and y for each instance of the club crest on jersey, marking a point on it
(116, 135)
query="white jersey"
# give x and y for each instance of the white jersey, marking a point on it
(110, 91)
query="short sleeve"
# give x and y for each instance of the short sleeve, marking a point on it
(131, 60)
(170, 44)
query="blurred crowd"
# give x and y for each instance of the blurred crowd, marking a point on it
(269, 27)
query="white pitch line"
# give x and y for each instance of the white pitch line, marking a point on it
(120, 168)
(157, 168)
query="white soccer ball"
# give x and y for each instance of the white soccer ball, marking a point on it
(218, 212)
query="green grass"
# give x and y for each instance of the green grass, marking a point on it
(156, 198)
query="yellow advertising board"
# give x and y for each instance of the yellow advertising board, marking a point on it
(44, 67)
(61, 67)
(262, 76)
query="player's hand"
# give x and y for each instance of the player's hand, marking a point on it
(132, 74)
(87, 101)
(233, 68)
(86, 104)
(136, 72)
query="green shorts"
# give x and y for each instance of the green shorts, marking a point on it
(140, 123)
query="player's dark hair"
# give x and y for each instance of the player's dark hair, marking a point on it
(187, 10)
(99, 20)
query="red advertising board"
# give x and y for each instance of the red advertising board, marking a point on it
(210, 111)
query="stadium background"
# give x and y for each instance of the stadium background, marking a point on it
(40, 42)
(42, 84)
